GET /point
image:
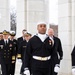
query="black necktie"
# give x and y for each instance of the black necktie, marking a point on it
(6, 42)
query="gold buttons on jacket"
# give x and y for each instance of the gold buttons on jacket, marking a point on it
(4, 53)
(8, 50)
(4, 50)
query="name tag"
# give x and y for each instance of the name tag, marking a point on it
(24, 46)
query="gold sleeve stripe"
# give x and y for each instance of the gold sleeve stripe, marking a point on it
(19, 56)
(13, 57)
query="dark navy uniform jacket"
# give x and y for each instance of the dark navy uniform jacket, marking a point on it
(36, 47)
(22, 49)
(15, 43)
(6, 52)
(73, 57)
(57, 54)
(19, 40)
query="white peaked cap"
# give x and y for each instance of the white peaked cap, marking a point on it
(41, 22)
(12, 32)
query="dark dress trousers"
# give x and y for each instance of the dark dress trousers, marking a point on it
(57, 54)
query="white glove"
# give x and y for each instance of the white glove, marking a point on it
(19, 60)
(0, 70)
(56, 68)
(27, 72)
(73, 71)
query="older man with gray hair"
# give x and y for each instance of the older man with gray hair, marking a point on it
(57, 54)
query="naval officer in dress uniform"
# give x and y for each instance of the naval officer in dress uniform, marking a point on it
(6, 53)
(12, 38)
(22, 49)
(38, 53)
(22, 37)
(57, 54)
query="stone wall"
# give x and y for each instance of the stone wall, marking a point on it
(29, 12)
(4, 15)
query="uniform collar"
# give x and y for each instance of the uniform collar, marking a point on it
(11, 39)
(6, 40)
(42, 36)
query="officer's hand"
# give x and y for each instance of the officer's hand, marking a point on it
(13, 61)
(73, 71)
(19, 60)
(57, 68)
(27, 72)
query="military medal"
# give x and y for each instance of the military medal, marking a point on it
(50, 42)
(10, 45)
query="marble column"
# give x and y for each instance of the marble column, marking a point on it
(4, 15)
(65, 34)
(73, 23)
(21, 16)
